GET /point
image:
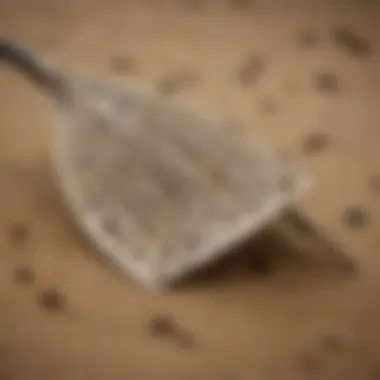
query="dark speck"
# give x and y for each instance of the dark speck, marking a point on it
(251, 71)
(18, 233)
(162, 325)
(175, 82)
(23, 275)
(307, 38)
(52, 300)
(355, 217)
(260, 264)
(351, 42)
(122, 65)
(332, 342)
(315, 142)
(327, 82)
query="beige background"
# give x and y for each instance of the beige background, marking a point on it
(67, 315)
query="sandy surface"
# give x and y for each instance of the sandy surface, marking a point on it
(276, 313)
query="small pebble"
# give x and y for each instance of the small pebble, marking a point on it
(251, 71)
(162, 325)
(23, 275)
(122, 65)
(327, 82)
(356, 217)
(168, 86)
(315, 142)
(18, 232)
(52, 300)
(351, 42)
(176, 82)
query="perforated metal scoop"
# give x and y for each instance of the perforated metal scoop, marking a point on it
(158, 188)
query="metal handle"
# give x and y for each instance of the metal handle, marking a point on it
(29, 64)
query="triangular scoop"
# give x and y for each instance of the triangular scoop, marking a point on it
(159, 189)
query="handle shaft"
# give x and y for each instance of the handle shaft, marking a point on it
(30, 65)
